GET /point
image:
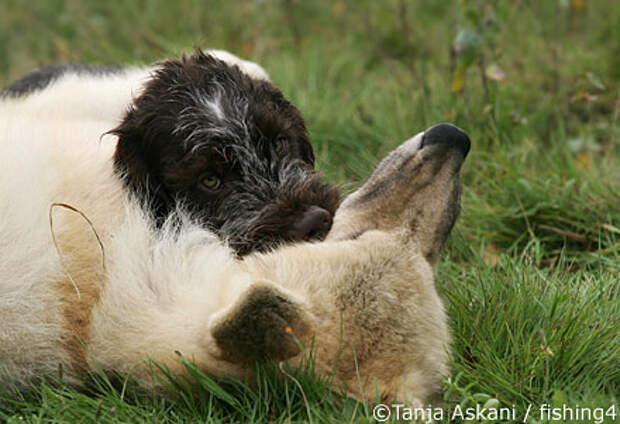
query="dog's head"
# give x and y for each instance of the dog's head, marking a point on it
(228, 147)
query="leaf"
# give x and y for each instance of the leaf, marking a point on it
(578, 5)
(458, 80)
(595, 80)
(610, 228)
(491, 258)
(449, 114)
(584, 160)
(208, 384)
(338, 8)
(583, 96)
(546, 351)
(495, 73)
(491, 404)
(467, 46)
(576, 144)
(481, 397)
(525, 184)
(248, 48)
(471, 14)
(583, 145)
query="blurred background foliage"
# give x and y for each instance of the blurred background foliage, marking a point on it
(534, 83)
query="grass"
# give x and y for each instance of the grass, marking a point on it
(530, 274)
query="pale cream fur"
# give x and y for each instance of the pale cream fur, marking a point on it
(366, 295)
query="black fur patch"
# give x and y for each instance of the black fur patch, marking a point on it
(41, 78)
(200, 120)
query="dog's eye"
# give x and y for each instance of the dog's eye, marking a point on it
(210, 182)
(281, 142)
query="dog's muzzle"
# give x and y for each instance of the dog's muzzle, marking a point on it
(313, 224)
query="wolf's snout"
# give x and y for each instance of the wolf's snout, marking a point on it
(447, 134)
(314, 223)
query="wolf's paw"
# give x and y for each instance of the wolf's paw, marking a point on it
(263, 324)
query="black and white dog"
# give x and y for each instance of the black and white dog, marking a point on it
(208, 133)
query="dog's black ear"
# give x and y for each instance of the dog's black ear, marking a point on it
(130, 157)
(134, 161)
(307, 152)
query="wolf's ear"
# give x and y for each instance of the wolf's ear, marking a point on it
(133, 160)
(264, 324)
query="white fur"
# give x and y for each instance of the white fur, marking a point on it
(104, 97)
(254, 70)
(79, 96)
(172, 279)
(163, 290)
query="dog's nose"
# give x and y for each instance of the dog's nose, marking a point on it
(447, 134)
(313, 224)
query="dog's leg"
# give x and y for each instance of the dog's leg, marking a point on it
(365, 299)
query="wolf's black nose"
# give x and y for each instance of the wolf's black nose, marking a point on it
(314, 223)
(447, 134)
